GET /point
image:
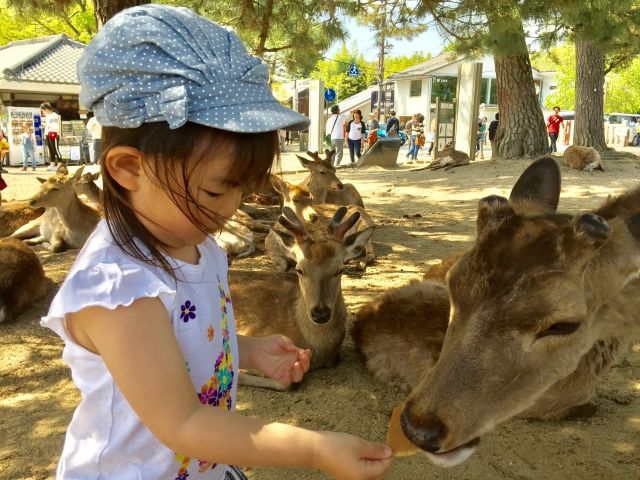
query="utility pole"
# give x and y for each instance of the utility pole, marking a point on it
(381, 58)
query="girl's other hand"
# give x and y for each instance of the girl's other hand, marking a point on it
(278, 358)
(347, 457)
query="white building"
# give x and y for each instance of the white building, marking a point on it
(417, 88)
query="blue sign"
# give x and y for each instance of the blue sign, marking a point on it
(330, 95)
(353, 70)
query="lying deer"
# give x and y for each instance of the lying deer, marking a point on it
(86, 186)
(236, 237)
(15, 215)
(582, 158)
(323, 183)
(449, 158)
(67, 222)
(540, 307)
(22, 279)
(315, 217)
(308, 309)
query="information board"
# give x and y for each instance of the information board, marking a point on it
(445, 124)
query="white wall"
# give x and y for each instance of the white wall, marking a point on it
(407, 105)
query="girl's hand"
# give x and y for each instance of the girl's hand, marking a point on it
(346, 457)
(278, 358)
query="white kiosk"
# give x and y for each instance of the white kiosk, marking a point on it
(16, 117)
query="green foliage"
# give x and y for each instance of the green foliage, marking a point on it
(75, 19)
(623, 89)
(397, 64)
(563, 60)
(334, 72)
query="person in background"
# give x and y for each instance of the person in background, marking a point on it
(412, 139)
(335, 130)
(52, 133)
(493, 127)
(372, 124)
(553, 127)
(4, 147)
(355, 136)
(485, 122)
(28, 140)
(418, 137)
(393, 125)
(432, 131)
(96, 139)
(283, 137)
(480, 139)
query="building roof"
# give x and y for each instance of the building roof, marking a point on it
(357, 100)
(41, 60)
(425, 68)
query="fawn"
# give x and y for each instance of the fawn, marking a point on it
(582, 158)
(449, 158)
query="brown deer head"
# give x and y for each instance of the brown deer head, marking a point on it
(297, 198)
(320, 262)
(56, 190)
(323, 174)
(528, 301)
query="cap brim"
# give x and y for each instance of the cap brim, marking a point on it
(252, 118)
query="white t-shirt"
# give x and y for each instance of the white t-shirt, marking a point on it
(338, 120)
(95, 128)
(52, 123)
(355, 130)
(106, 439)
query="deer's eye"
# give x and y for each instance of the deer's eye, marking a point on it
(339, 272)
(299, 272)
(296, 201)
(559, 329)
(323, 173)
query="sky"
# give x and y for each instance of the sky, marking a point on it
(428, 42)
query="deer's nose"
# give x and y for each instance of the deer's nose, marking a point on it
(313, 217)
(428, 435)
(32, 202)
(321, 314)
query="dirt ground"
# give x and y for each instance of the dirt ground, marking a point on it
(422, 217)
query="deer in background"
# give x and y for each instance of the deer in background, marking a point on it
(315, 217)
(67, 221)
(15, 215)
(306, 305)
(86, 185)
(531, 316)
(582, 158)
(448, 158)
(323, 183)
(22, 279)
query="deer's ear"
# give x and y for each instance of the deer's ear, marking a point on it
(492, 211)
(41, 180)
(539, 183)
(78, 175)
(306, 163)
(355, 242)
(285, 244)
(95, 176)
(279, 184)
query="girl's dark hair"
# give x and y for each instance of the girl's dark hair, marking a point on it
(47, 106)
(171, 158)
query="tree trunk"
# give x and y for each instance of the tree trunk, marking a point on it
(105, 9)
(521, 131)
(264, 30)
(589, 122)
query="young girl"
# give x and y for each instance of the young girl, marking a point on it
(188, 122)
(28, 147)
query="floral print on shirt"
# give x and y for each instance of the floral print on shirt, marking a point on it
(217, 391)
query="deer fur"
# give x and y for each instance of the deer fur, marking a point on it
(323, 183)
(67, 222)
(86, 186)
(449, 158)
(582, 158)
(541, 306)
(22, 279)
(236, 237)
(309, 309)
(14, 215)
(315, 217)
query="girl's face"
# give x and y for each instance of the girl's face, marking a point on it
(26, 128)
(168, 223)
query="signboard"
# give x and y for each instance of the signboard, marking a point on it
(75, 152)
(353, 70)
(330, 95)
(445, 123)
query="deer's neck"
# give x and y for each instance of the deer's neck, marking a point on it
(319, 193)
(93, 192)
(75, 215)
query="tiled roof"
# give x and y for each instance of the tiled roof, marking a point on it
(424, 68)
(45, 59)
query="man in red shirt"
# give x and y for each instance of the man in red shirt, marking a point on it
(553, 127)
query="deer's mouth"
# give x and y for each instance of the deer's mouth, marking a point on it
(455, 456)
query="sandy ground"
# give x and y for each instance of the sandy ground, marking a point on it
(422, 217)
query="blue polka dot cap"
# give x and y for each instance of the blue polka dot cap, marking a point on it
(158, 63)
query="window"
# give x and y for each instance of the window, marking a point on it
(484, 86)
(443, 87)
(415, 90)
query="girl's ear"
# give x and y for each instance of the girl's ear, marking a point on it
(124, 165)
